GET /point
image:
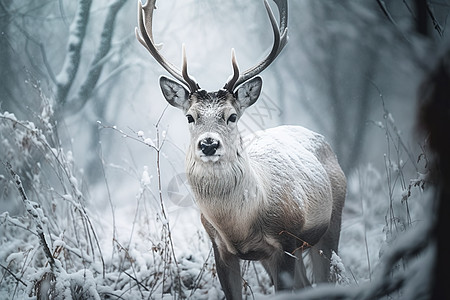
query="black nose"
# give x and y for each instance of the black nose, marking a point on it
(208, 146)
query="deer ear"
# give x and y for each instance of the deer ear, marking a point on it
(175, 93)
(248, 92)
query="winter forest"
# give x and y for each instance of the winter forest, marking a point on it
(94, 201)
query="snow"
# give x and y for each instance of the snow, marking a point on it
(135, 241)
(8, 115)
(337, 270)
(133, 235)
(145, 179)
(149, 142)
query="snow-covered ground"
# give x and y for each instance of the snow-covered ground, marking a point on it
(122, 239)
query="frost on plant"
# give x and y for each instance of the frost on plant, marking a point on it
(51, 246)
(337, 270)
(48, 237)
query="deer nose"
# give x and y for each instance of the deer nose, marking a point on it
(208, 146)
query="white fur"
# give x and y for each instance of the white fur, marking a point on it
(274, 192)
(275, 160)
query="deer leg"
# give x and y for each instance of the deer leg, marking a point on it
(300, 278)
(320, 259)
(281, 268)
(321, 252)
(229, 272)
(321, 256)
(227, 265)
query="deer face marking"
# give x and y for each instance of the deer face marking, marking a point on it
(212, 116)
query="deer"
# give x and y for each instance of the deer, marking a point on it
(271, 199)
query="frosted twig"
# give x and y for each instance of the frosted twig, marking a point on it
(390, 121)
(169, 250)
(161, 116)
(13, 275)
(200, 274)
(5, 216)
(109, 198)
(137, 281)
(126, 135)
(33, 209)
(163, 211)
(43, 145)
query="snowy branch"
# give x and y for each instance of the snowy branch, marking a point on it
(13, 275)
(99, 60)
(35, 211)
(72, 60)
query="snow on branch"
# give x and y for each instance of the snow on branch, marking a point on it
(97, 63)
(77, 33)
(35, 211)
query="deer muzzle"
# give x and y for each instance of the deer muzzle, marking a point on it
(208, 146)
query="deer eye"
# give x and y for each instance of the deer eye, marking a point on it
(190, 118)
(232, 118)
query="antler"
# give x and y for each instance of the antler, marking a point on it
(145, 18)
(280, 40)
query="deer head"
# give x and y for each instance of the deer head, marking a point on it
(212, 116)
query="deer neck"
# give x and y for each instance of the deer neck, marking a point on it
(229, 193)
(229, 182)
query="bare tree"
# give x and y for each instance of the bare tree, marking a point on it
(69, 70)
(83, 59)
